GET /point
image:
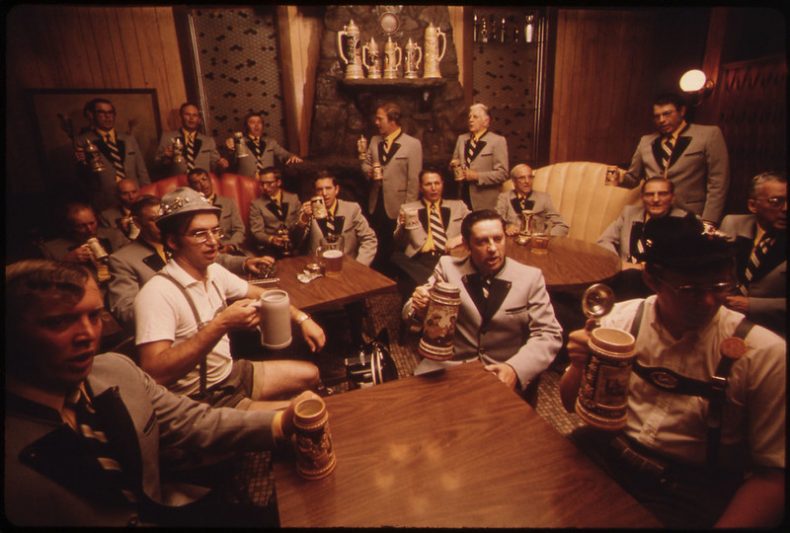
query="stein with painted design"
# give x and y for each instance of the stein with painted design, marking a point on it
(315, 455)
(438, 328)
(603, 394)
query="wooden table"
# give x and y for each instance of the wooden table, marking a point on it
(570, 264)
(451, 449)
(356, 282)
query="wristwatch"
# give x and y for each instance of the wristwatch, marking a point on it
(302, 318)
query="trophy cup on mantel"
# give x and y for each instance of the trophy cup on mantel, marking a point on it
(413, 54)
(370, 52)
(350, 51)
(393, 55)
(433, 52)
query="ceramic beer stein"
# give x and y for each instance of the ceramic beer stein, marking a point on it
(349, 49)
(433, 51)
(393, 54)
(413, 58)
(371, 59)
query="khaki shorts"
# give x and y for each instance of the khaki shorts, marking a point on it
(231, 390)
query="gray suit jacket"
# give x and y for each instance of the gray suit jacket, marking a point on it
(110, 238)
(411, 240)
(767, 290)
(359, 239)
(401, 172)
(539, 202)
(491, 162)
(132, 266)
(246, 166)
(265, 219)
(515, 325)
(103, 186)
(206, 154)
(617, 236)
(47, 480)
(230, 220)
(699, 168)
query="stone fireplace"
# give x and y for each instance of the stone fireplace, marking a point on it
(433, 110)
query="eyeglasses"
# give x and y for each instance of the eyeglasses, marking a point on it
(525, 178)
(267, 183)
(687, 291)
(201, 236)
(660, 194)
(777, 202)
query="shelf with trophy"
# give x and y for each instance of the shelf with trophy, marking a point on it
(366, 65)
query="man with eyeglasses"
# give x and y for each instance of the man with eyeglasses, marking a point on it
(230, 222)
(134, 264)
(119, 153)
(273, 216)
(184, 313)
(624, 236)
(522, 198)
(761, 238)
(704, 441)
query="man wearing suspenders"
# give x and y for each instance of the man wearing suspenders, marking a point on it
(184, 313)
(704, 441)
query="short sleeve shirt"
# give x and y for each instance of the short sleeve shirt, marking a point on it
(163, 313)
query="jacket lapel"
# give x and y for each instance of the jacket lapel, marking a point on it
(422, 214)
(278, 211)
(121, 432)
(658, 152)
(197, 144)
(474, 286)
(339, 220)
(480, 145)
(121, 148)
(445, 217)
(496, 295)
(776, 254)
(680, 147)
(154, 262)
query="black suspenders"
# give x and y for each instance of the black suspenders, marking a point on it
(714, 390)
(198, 323)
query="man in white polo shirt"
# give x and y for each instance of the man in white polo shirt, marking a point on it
(183, 315)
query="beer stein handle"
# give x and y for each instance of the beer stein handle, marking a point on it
(399, 54)
(417, 61)
(365, 57)
(340, 35)
(440, 33)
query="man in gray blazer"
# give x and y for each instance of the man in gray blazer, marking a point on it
(119, 216)
(233, 231)
(506, 318)
(273, 216)
(60, 396)
(262, 151)
(483, 156)
(425, 237)
(510, 204)
(344, 219)
(137, 262)
(761, 240)
(198, 150)
(119, 153)
(624, 236)
(399, 157)
(692, 156)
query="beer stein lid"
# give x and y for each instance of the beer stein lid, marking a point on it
(612, 340)
(446, 289)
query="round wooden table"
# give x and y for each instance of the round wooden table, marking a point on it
(569, 265)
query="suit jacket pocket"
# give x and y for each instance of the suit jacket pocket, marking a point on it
(698, 153)
(516, 310)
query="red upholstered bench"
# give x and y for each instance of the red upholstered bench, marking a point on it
(242, 189)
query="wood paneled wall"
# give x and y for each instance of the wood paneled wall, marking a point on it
(72, 47)
(608, 66)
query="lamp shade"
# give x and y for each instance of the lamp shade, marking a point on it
(692, 81)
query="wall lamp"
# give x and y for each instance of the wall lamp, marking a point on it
(696, 84)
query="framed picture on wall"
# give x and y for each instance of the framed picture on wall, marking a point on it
(58, 113)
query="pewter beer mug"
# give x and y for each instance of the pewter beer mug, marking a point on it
(393, 54)
(349, 48)
(178, 151)
(93, 157)
(362, 148)
(433, 52)
(413, 54)
(370, 51)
